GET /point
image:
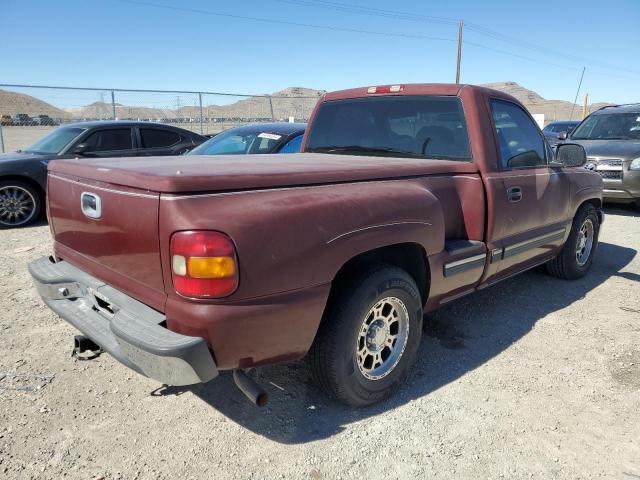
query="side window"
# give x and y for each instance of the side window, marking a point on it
(152, 138)
(292, 146)
(108, 140)
(521, 145)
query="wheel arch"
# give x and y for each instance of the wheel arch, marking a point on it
(28, 181)
(408, 256)
(596, 203)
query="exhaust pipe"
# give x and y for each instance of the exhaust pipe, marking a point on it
(250, 388)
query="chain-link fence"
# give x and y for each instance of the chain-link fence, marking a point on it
(28, 111)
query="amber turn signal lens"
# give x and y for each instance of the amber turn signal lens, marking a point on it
(211, 267)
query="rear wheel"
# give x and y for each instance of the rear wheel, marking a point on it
(369, 336)
(19, 204)
(576, 256)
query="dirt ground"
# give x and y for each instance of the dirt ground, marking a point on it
(533, 378)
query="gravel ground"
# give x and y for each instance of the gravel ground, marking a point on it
(533, 378)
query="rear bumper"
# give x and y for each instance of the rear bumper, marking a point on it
(127, 329)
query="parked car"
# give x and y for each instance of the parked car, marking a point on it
(23, 174)
(22, 119)
(611, 137)
(257, 138)
(407, 197)
(47, 120)
(5, 120)
(555, 129)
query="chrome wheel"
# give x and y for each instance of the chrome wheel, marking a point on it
(17, 206)
(382, 338)
(585, 242)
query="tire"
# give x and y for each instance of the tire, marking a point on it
(20, 204)
(341, 359)
(570, 264)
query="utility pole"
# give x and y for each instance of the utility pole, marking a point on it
(113, 106)
(584, 105)
(576, 99)
(459, 51)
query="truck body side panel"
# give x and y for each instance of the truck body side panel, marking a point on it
(291, 244)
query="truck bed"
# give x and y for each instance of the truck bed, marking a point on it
(199, 173)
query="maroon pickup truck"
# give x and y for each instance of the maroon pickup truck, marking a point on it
(406, 197)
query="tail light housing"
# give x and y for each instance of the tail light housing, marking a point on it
(204, 264)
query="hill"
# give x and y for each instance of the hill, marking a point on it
(12, 103)
(552, 109)
(294, 102)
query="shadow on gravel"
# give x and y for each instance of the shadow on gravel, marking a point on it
(621, 209)
(458, 338)
(41, 222)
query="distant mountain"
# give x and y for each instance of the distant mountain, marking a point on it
(103, 110)
(552, 109)
(12, 103)
(285, 103)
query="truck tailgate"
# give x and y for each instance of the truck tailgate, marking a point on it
(121, 246)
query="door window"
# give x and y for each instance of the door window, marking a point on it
(155, 138)
(520, 142)
(292, 146)
(109, 140)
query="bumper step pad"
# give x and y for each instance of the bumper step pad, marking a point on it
(128, 330)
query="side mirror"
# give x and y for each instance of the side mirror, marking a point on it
(570, 155)
(562, 136)
(80, 149)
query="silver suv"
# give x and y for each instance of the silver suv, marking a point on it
(611, 137)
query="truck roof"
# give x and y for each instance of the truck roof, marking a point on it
(437, 89)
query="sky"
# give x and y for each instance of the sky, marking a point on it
(263, 46)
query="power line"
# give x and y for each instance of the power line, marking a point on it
(365, 10)
(479, 29)
(371, 11)
(286, 22)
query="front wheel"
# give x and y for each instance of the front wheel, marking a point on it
(369, 336)
(576, 256)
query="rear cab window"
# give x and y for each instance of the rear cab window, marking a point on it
(429, 127)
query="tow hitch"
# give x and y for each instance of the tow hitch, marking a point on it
(85, 348)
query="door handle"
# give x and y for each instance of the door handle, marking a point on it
(514, 194)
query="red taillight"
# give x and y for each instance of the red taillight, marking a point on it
(204, 264)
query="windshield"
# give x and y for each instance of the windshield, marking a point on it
(238, 142)
(609, 126)
(392, 126)
(55, 142)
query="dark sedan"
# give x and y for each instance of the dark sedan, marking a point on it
(23, 174)
(255, 138)
(555, 129)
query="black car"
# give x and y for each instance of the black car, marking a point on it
(555, 129)
(255, 138)
(23, 174)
